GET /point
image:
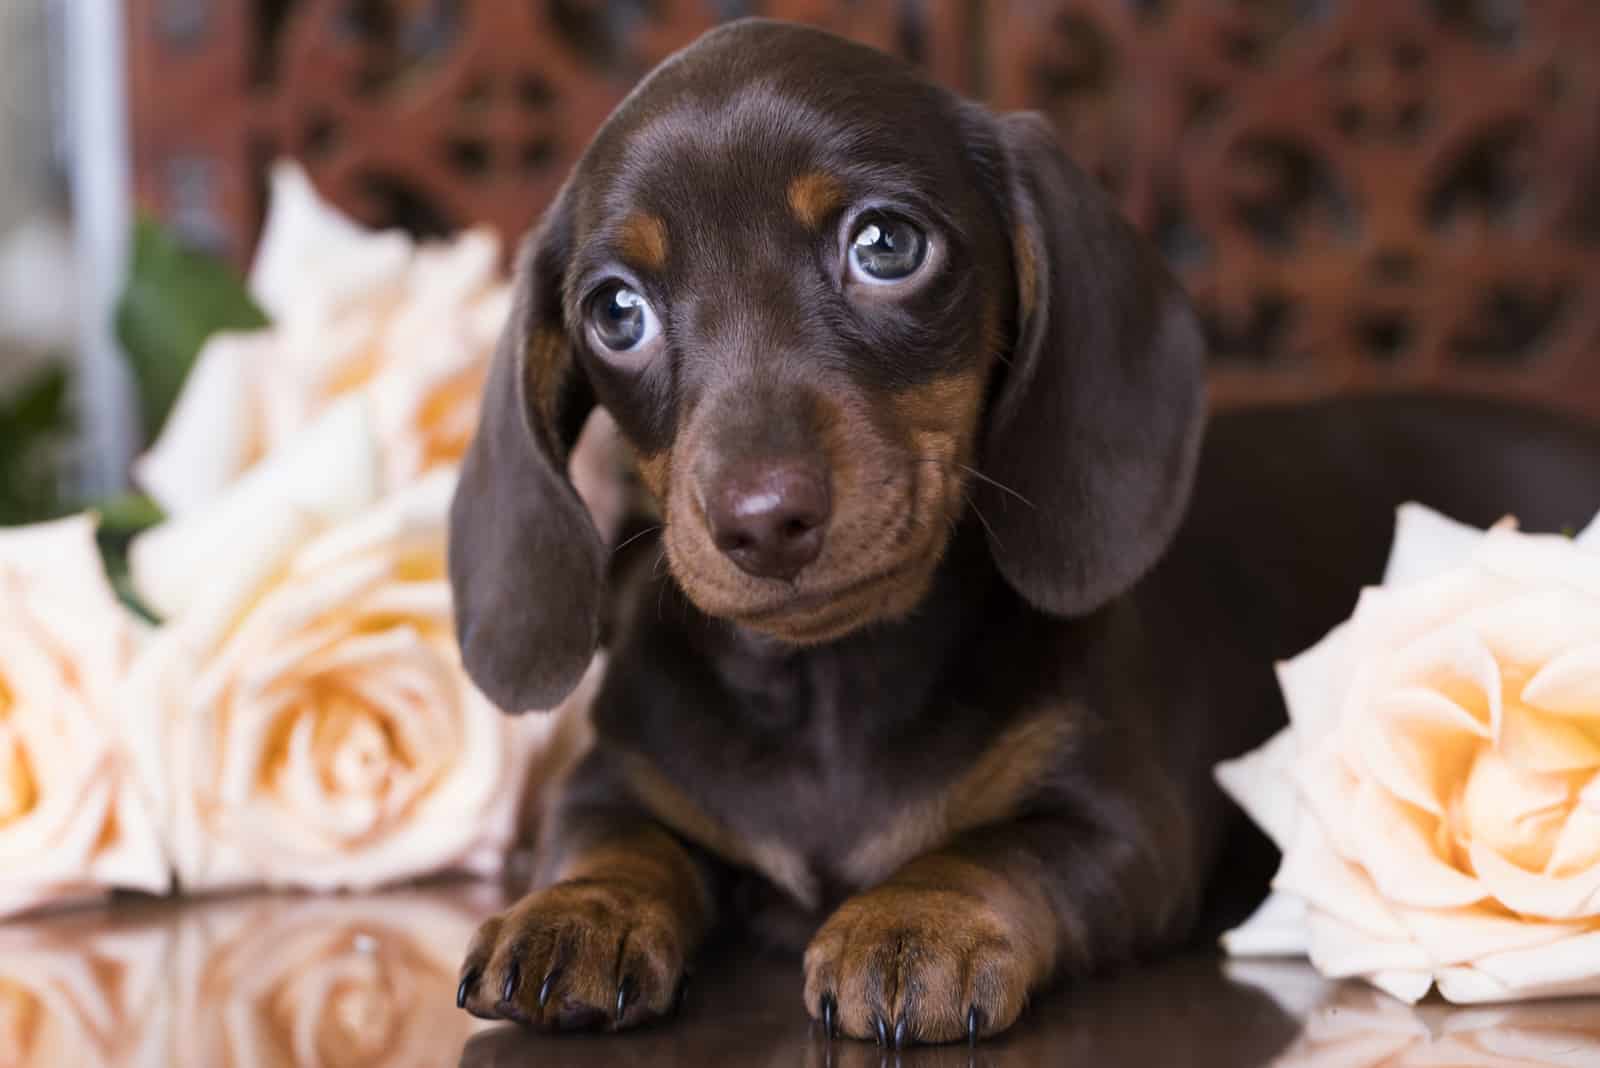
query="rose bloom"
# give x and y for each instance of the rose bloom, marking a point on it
(366, 981)
(72, 822)
(303, 717)
(350, 309)
(1437, 793)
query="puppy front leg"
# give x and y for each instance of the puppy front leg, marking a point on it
(951, 945)
(603, 944)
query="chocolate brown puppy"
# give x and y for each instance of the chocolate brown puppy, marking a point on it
(918, 672)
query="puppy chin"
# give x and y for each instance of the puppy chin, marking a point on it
(884, 601)
(818, 609)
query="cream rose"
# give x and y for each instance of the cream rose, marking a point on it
(303, 718)
(324, 983)
(350, 310)
(1437, 793)
(72, 823)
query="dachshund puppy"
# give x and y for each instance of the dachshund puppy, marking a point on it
(929, 683)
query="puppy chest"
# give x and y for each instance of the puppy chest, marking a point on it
(827, 816)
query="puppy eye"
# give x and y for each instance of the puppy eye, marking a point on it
(621, 318)
(885, 249)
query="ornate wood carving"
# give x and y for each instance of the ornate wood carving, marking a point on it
(1360, 193)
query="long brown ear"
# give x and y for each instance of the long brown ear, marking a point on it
(1096, 427)
(526, 563)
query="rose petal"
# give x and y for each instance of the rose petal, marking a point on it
(1403, 985)
(1341, 950)
(1565, 968)
(1277, 928)
(1571, 898)
(214, 432)
(1569, 685)
(1455, 663)
(1312, 871)
(1578, 847)
(1517, 813)
(1418, 744)
(1262, 783)
(1537, 627)
(311, 260)
(1427, 544)
(1396, 849)
(1540, 743)
(1328, 790)
(1460, 936)
(329, 474)
(1314, 682)
(1540, 560)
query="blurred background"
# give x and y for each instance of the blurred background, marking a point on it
(1361, 194)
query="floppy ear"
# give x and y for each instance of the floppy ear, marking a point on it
(526, 563)
(1096, 426)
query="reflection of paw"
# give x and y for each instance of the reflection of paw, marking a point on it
(585, 955)
(904, 965)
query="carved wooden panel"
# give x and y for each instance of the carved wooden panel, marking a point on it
(1360, 193)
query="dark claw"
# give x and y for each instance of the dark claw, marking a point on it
(468, 981)
(829, 1007)
(513, 979)
(900, 1034)
(548, 986)
(883, 1030)
(974, 1025)
(624, 995)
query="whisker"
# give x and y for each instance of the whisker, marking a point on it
(975, 473)
(979, 475)
(636, 537)
(979, 513)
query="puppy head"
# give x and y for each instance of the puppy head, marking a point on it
(831, 306)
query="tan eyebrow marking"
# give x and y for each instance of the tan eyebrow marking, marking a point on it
(643, 241)
(814, 196)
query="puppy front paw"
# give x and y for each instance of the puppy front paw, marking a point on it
(584, 955)
(902, 965)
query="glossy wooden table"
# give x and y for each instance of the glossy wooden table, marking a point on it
(262, 982)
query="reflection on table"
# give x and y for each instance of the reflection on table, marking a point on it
(369, 980)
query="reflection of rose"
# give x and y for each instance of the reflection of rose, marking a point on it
(74, 995)
(71, 821)
(1437, 794)
(321, 983)
(350, 310)
(303, 717)
(1348, 1026)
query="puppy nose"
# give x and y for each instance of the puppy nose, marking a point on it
(769, 518)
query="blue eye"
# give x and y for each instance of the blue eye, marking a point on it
(622, 318)
(885, 249)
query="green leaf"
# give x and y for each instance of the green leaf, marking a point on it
(121, 519)
(128, 514)
(176, 298)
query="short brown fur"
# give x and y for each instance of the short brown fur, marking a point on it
(991, 791)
